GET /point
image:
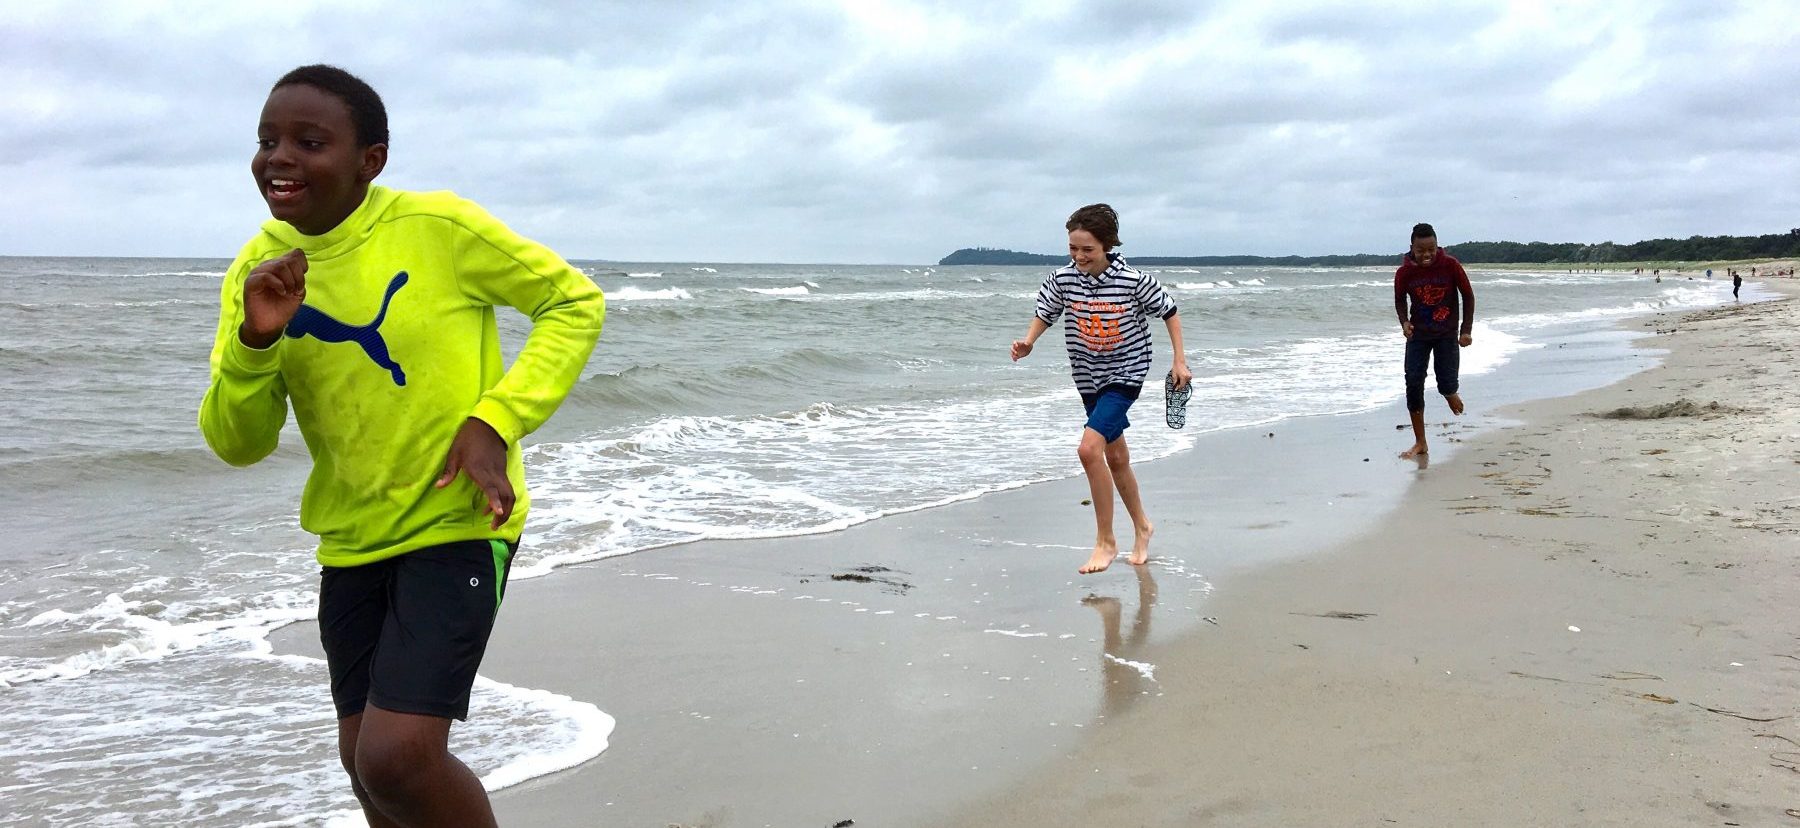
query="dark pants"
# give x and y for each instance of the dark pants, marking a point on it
(1421, 349)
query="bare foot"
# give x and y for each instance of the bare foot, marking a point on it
(1103, 558)
(1417, 450)
(1456, 406)
(1140, 548)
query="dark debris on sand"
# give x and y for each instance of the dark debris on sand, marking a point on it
(1679, 408)
(889, 579)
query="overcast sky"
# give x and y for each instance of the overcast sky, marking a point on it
(897, 132)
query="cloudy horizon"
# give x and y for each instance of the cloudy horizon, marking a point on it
(891, 132)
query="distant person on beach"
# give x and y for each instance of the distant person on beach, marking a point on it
(1109, 305)
(1737, 281)
(1432, 281)
(371, 311)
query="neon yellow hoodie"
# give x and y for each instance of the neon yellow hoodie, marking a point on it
(394, 348)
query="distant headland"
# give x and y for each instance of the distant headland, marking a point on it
(1690, 249)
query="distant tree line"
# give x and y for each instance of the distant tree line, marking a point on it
(1690, 249)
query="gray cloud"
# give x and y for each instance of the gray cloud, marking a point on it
(819, 131)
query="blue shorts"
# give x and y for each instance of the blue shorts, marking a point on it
(1106, 410)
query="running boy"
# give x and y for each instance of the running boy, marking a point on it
(372, 311)
(1107, 331)
(1433, 280)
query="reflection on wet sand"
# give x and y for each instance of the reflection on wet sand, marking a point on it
(1124, 677)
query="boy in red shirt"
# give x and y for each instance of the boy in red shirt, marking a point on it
(1433, 280)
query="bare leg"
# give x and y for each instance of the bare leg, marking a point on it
(1118, 461)
(1418, 427)
(1100, 487)
(403, 765)
(348, 728)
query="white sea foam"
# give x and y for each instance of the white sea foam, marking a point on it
(690, 477)
(145, 630)
(582, 735)
(633, 294)
(1144, 669)
(797, 290)
(649, 274)
(1018, 633)
(1220, 285)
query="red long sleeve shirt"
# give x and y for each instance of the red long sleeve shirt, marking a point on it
(1434, 290)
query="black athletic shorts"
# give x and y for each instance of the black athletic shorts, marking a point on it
(407, 633)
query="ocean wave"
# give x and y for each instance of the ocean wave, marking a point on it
(1223, 283)
(641, 387)
(1679, 297)
(634, 294)
(75, 464)
(683, 478)
(123, 303)
(797, 290)
(147, 630)
(658, 387)
(929, 294)
(271, 743)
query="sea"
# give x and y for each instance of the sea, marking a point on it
(143, 576)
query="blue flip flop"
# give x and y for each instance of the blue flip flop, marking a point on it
(1175, 401)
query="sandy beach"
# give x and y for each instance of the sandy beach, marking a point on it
(1579, 613)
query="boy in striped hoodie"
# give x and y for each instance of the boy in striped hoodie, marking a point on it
(1107, 331)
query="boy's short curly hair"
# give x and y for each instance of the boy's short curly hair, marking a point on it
(1423, 231)
(366, 110)
(1099, 219)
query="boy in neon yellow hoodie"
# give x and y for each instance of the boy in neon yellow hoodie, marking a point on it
(371, 311)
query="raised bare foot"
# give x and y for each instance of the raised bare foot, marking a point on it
(1417, 450)
(1102, 558)
(1140, 548)
(1456, 406)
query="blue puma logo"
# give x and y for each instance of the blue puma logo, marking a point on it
(309, 320)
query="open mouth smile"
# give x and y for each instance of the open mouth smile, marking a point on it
(284, 189)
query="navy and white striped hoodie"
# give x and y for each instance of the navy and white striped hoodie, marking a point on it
(1107, 328)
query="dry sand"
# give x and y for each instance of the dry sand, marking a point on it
(1585, 620)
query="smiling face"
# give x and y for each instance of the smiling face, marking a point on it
(1424, 250)
(1089, 255)
(308, 164)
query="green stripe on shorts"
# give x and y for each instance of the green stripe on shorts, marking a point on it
(501, 554)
